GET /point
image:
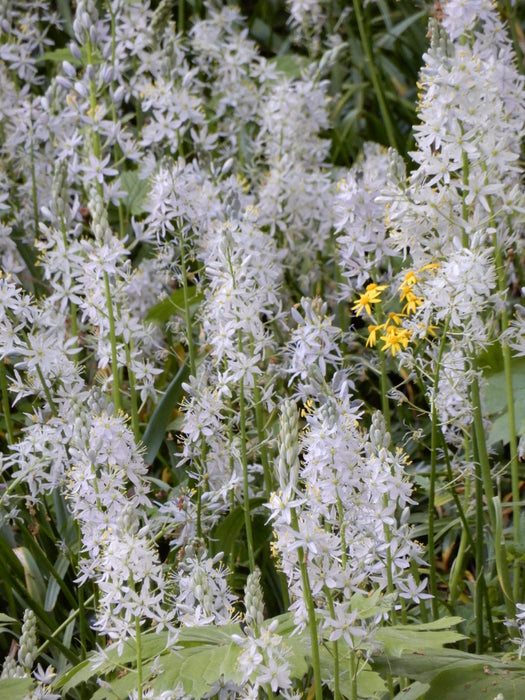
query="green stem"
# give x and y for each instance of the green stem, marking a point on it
(481, 449)
(244, 459)
(502, 566)
(139, 658)
(113, 340)
(478, 555)
(374, 75)
(180, 18)
(335, 646)
(133, 393)
(259, 419)
(34, 190)
(353, 677)
(6, 405)
(187, 310)
(513, 438)
(61, 627)
(312, 621)
(433, 468)
(389, 578)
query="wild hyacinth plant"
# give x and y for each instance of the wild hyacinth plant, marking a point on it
(261, 374)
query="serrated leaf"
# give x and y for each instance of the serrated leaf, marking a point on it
(15, 688)
(400, 639)
(442, 623)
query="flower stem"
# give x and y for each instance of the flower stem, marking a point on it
(244, 458)
(139, 658)
(376, 82)
(187, 310)
(113, 340)
(310, 607)
(5, 404)
(433, 466)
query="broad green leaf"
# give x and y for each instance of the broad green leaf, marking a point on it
(199, 668)
(495, 401)
(441, 624)
(433, 635)
(414, 691)
(291, 65)
(479, 681)
(137, 189)
(118, 688)
(15, 688)
(426, 665)
(59, 55)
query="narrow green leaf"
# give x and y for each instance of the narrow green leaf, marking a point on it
(35, 584)
(80, 673)
(53, 588)
(156, 429)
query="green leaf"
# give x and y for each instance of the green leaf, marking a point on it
(291, 65)
(413, 691)
(59, 55)
(426, 665)
(80, 673)
(387, 40)
(156, 428)
(35, 584)
(414, 638)
(479, 681)
(137, 189)
(6, 618)
(174, 304)
(53, 587)
(495, 401)
(199, 668)
(15, 688)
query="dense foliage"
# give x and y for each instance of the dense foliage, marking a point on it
(261, 337)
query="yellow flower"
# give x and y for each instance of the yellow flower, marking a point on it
(412, 302)
(395, 338)
(409, 281)
(372, 335)
(371, 296)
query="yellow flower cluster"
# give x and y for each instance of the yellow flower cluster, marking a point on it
(391, 332)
